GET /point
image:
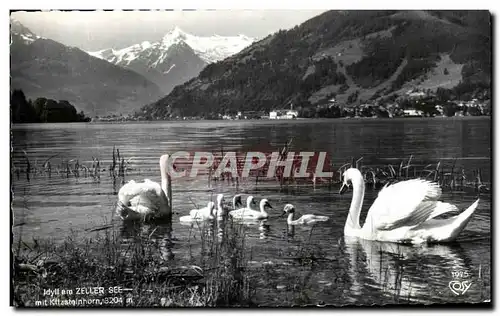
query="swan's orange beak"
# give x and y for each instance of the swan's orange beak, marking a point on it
(343, 188)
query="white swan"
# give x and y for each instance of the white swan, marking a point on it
(146, 200)
(250, 202)
(222, 210)
(248, 214)
(206, 212)
(403, 212)
(201, 214)
(304, 219)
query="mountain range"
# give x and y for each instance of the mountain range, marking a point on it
(176, 58)
(112, 81)
(41, 67)
(353, 57)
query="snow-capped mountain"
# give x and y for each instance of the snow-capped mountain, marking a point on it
(176, 58)
(24, 33)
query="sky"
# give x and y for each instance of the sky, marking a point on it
(95, 30)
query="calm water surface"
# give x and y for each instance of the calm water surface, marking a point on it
(346, 271)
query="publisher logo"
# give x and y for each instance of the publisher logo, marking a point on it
(459, 285)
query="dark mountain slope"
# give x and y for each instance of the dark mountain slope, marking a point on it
(45, 68)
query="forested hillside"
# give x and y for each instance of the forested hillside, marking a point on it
(352, 56)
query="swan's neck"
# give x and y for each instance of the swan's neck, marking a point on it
(290, 218)
(219, 206)
(358, 188)
(263, 211)
(166, 184)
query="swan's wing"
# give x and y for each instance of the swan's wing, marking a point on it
(406, 203)
(237, 212)
(196, 213)
(132, 189)
(144, 203)
(244, 212)
(317, 218)
(141, 195)
(311, 219)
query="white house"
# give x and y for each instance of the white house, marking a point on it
(291, 114)
(283, 114)
(412, 112)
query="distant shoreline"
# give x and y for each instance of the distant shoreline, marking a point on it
(291, 120)
(266, 120)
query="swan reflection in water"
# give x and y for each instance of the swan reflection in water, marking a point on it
(262, 226)
(208, 228)
(157, 235)
(264, 229)
(406, 273)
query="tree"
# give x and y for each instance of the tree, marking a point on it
(427, 106)
(444, 95)
(367, 111)
(449, 109)
(40, 109)
(352, 97)
(22, 110)
(43, 110)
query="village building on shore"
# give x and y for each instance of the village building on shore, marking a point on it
(284, 114)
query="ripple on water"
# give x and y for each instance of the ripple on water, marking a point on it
(307, 265)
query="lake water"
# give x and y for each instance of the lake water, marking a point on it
(349, 272)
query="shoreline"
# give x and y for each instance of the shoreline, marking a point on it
(266, 120)
(295, 119)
